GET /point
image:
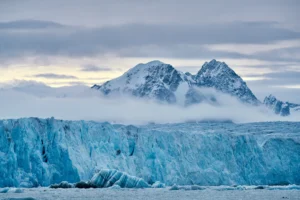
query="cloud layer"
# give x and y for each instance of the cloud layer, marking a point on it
(144, 40)
(93, 68)
(82, 104)
(55, 76)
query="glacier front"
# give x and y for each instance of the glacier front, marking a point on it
(39, 152)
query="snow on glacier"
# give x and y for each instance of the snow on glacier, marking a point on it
(37, 152)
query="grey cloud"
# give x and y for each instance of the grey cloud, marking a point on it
(29, 24)
(167, 34)
(94, 68)
(275, 84)
(271, 65)
(261, 90)
(278, 78)
(177, 51)
(135, 39)
(54, 76)
(72, 83)
(288, 75)
(103, 12)
(291, 54)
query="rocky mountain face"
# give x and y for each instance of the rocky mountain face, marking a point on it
(160, 81)
(219, 76)
(280, 107)
(155, 80)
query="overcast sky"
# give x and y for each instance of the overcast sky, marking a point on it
(71, 41)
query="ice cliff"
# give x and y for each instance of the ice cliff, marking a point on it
(37, 152)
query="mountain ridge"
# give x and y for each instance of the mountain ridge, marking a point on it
(280, 107)
(160, 81)
(221, 77)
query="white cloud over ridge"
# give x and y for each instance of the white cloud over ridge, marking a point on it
(86, 104)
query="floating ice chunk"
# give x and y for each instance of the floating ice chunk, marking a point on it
(238, 187)
(107, 178)
(174, 187)
(197, 187)
(19, 190)
(115, 187)
(287, 187)
(11, 190)
(83, 184)
(158, 184)
(187, 187)
(293, 187)
(260, 187)
(4, 190)
(63, 184)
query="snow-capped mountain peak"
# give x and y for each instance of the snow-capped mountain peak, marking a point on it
(160, 81)
(213, 68)
(145, 66)
(154, 79)
(220, 76)
(270, 98)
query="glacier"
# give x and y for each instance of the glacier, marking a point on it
(39, 152)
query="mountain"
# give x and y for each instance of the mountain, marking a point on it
(221, 77)
(160, 81)
(280, 107)
(155, 80)
(39, 152)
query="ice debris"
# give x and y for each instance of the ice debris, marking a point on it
(63, 184)
(158, 184)
(107, 178)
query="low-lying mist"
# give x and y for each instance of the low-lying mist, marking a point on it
(90, 105)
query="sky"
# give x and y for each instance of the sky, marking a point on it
(75, 42)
